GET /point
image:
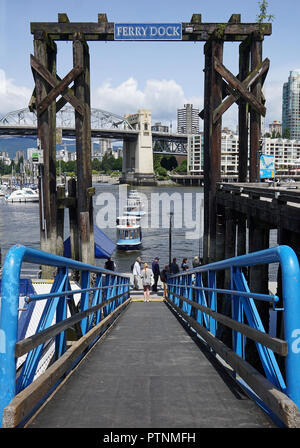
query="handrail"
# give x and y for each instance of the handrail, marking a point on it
(99, 304)
(198, 305)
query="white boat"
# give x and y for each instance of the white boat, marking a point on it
(23, 195)
(129, 233)
(134, 207)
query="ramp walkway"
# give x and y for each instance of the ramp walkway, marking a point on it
(148, 372)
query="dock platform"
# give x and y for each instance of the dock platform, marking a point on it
(150, 372)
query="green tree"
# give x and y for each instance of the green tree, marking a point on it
(182, 168)
(263, 15)
(286, 133)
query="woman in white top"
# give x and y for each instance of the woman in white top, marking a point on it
(146, 275)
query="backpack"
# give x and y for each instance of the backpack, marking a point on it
(132, 266)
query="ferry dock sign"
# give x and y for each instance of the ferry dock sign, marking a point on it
(147, 31)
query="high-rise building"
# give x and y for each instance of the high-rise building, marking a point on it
(291, 106)
(188, 120)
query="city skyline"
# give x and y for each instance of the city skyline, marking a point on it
(163, 76)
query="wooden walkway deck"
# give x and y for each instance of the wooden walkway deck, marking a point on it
(148, 372)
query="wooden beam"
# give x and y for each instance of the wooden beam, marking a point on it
(45, 56)
(54, 82)
(236, 84)
(244, 68)
(102, 30)
(83, 151)
(59, 89)
(212, 146)
(255, 114)
(263, 67)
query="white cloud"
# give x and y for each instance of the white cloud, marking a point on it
(162, 97)
(12, 97)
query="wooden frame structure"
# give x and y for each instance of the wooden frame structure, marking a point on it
(222, 89)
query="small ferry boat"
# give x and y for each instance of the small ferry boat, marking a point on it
(134, 207)
(23, 195)
(129, 233)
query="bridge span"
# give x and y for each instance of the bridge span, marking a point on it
(111, 360)
(139, 141)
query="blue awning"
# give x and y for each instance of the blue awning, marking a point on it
(104, 246)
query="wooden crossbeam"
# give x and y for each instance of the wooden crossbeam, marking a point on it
(53, 82)
(235, 95)
(103, 30)
(59, 89)
(238, 85)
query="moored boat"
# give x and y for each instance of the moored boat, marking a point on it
(23, 195)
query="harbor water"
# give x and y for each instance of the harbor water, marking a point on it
(19, 223)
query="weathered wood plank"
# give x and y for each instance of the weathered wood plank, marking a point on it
(83, 151)
(45, 56)
(59, 89)
(255, 114)
(247, 82)
(105, 30)
(54, 81)
(213, 95)
(236, 84)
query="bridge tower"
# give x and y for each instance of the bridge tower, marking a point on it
(138, 155)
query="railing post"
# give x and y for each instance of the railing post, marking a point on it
(212, 283)
(291, 300)
(9, 325)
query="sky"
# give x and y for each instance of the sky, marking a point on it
(160, 76)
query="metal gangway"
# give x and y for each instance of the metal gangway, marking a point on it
(119, 362)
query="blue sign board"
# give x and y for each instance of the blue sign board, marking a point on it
(267, 167)
(148, 31)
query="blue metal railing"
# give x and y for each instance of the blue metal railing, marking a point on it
(110, 290)
(198, 303)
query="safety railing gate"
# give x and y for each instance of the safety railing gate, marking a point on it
(103, 296)
(195, 300)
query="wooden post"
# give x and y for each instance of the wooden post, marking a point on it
(83, 148)
(45, 53)
(241, 234)
(255, 117)
(244, 63)
(73, 220)
(60, 220)
(212, 145)
(259, 235)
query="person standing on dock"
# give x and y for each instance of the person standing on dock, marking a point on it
(174, 268)
(184, 265)
(146, 276)
(136, 273)
(110, 265)
(164, 278)
(156, 272)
